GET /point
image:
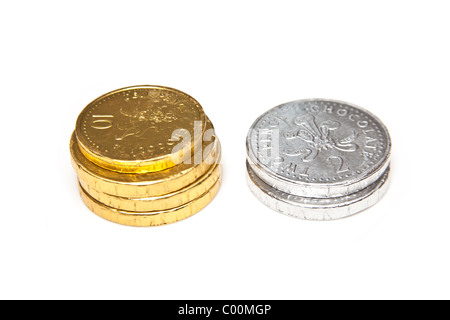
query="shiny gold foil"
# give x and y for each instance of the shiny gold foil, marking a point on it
(146, 156)
(150, 184)
(130, 130)
(152, 218)
(165, 202)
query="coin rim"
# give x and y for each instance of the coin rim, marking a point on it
(147, 185)
(150, 219)
(322, 191)
(334, 211)
(163, 202)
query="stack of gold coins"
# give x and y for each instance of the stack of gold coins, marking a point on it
(146, 156)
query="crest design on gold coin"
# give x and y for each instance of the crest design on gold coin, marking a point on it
(142, 114)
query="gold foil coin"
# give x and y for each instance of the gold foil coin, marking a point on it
(152, 218)
(131, 130)
(146, 156)
(165, 202)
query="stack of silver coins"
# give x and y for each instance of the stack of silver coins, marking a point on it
(318, 159)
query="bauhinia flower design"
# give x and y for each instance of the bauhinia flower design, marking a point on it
(318, 138)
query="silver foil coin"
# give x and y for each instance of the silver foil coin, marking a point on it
(318, 148)
(317, 208)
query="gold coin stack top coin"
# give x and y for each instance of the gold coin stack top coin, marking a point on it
(146, 156)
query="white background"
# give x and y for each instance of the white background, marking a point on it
(238, 59)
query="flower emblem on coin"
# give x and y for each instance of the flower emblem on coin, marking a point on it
(318, 137)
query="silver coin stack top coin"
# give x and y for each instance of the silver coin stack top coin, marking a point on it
(318, 159)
